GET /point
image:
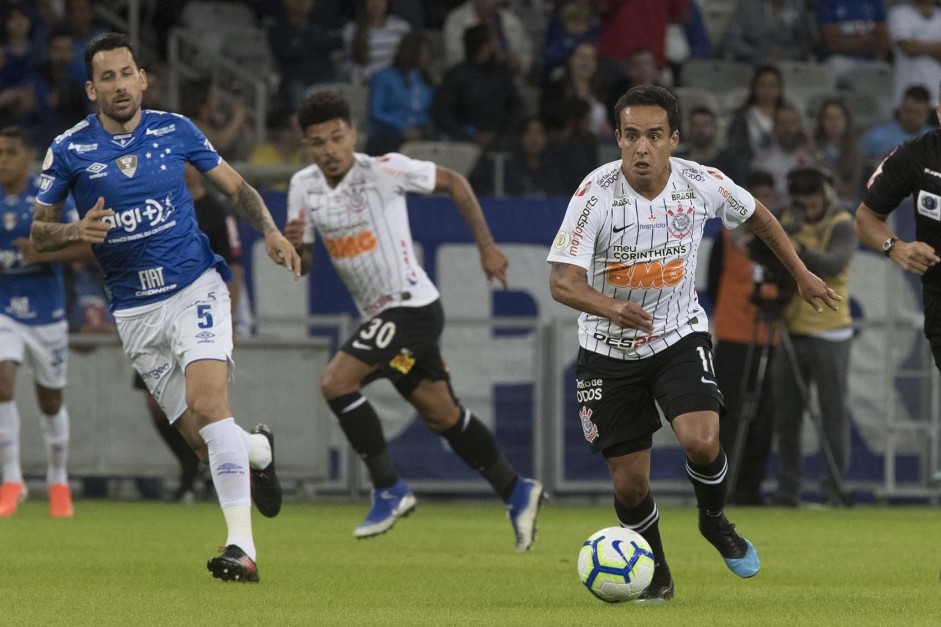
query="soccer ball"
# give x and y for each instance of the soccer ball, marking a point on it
(616, 564)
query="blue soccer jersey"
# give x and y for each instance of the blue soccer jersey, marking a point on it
(31, 293)
(154, 248)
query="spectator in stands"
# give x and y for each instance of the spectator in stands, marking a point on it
(154, 96)
(573, 149)
(477, 100)
(285, 142)
(65, 102)
(580, 80)
(21, 57)
(303, 49)
(641, 70)
(852, 32)
(791, 148)
(228, 128)
(370, 42)
(766, 31)
(915, 32)
(741, 328)
(80, 20)
(512, 44)
(751, 126)
(526, 171)
(702, 145)
(400, 98)
(18, 95)
(572, 23)
(632, 25)
(697, 37)
(836, 141)
(911, 120)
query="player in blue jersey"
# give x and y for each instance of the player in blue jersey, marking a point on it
(33, 328)
(124, 169)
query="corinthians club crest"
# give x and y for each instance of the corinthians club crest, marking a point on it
(681, 221)
(588, 427)
(127, 165)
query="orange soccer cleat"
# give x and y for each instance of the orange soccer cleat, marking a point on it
(11, 495)
(60, 500)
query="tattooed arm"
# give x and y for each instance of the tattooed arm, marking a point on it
(48, 233)
(569, 286)
(810, 286)
(247, 203)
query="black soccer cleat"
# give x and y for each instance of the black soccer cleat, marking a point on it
(266, 489)
(233, 565)
(739, 554)
(656, 593)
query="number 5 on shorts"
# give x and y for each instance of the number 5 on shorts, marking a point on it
(204, 313)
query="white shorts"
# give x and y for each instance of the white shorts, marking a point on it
(163, 338)
(44, 348)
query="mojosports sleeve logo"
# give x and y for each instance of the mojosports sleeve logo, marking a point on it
(646, 274)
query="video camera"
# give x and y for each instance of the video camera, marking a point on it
(773, 285)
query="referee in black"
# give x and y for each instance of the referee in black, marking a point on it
(913, 169)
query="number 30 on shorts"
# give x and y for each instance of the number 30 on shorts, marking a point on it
(383, 331)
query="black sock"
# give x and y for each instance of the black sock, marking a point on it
(644, 518)
(362, 428)
(473, 442)
(189, 462)
(710, 484)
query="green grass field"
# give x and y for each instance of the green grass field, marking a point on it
(132, 563)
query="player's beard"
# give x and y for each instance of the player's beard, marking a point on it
(121, 117)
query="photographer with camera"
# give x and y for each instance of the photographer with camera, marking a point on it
(744, 307)
(825, 242)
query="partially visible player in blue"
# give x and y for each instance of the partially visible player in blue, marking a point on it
(124, 168)
(33, 328)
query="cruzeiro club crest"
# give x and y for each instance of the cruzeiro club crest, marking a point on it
(9, 220)
(588, 427)
(127, 165)
(681, 221)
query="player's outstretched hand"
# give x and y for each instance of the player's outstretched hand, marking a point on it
(494, 263)
(812, 288)
(282, 252)
(294, 230)
(92, 228)
(914, 257)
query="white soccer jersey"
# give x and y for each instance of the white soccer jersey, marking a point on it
(364, 225)
(645, 251)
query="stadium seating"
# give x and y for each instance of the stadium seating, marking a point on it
(459, 156)
(716, 75)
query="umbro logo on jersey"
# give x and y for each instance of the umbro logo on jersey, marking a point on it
(618, 229)
(160, 132)
(97, 170)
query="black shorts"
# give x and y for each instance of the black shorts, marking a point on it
(403, 343)
(618, 400)
(932, 301)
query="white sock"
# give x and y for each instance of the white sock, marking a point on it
(228, 463)
(259, 449)
(10, 442)
(239, 521)
(55, 430)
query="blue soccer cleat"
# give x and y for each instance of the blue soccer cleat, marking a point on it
(523, 507)
(388, 505)
(739, 554)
